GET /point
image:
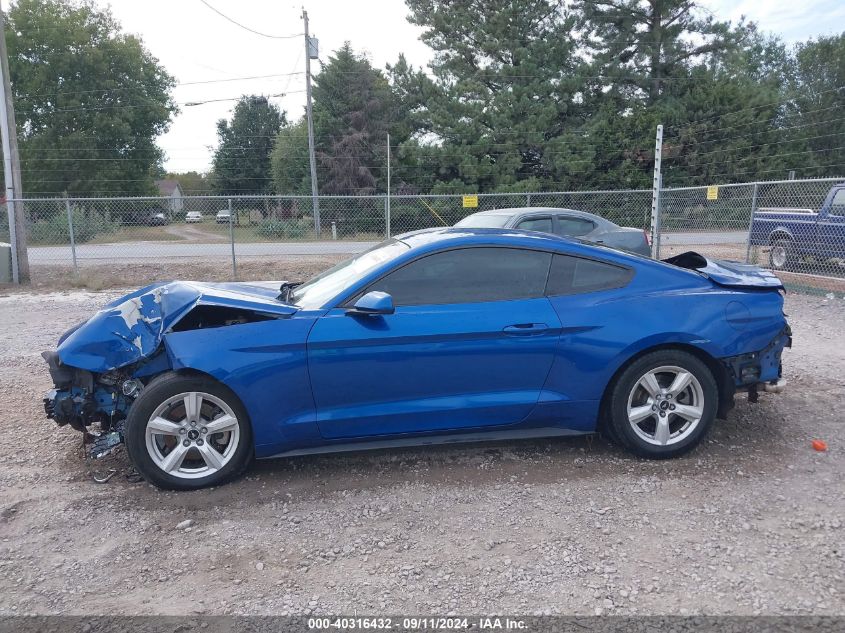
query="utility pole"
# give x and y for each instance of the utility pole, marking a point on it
(12, 166)
(387, 201)
(657, 184)
(311, 52)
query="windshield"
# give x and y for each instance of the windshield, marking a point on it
(485, 221)
(315, 292)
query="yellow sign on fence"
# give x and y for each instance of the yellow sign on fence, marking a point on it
(713, 192)
(470, 202)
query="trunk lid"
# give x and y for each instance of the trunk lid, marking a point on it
(727, 273)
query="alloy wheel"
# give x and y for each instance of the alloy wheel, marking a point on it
(665, 405)
(192, 435)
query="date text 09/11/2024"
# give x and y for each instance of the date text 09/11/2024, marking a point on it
(431, 623)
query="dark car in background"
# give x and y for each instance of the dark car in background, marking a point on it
(155, 216)
(564, 222)
(793, 235)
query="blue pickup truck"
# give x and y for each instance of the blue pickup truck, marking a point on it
(796, 234)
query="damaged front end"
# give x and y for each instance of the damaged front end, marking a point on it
(95, 405)
(101, 366)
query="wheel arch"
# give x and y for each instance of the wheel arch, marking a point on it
(191, 372)
(720, 373)
(780, 233)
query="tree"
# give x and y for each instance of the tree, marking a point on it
(504, 73)
(818, 89)
(353, 110)
(725, 116)
(90, 100)
(640, 45)
(718, 90)
(193, 183)
(289, 160)
(241, 162)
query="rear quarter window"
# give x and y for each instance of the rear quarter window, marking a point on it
(574, 275)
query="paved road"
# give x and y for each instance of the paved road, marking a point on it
(141, 251)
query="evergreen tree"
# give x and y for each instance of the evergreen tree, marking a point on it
(353, 107)
(506, 84)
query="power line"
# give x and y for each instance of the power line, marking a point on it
(765, 105)
(690, 127)
(147, 105)
(246, 28)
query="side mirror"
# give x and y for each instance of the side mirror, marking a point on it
(373, 303)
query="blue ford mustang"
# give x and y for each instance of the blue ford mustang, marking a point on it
(444, 335)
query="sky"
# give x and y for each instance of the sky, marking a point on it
(196, 44)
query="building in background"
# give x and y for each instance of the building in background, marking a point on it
(173, 190)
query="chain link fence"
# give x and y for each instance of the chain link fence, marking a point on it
(792, 226)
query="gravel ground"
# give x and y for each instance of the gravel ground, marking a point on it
(751, 522)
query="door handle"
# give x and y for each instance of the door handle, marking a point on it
(525, 329)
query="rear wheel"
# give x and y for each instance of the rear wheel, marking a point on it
(663, 404)
(782, 255)
(187, 432)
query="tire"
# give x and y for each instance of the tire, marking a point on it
(219, 442)
(782, 255)
(636, 404)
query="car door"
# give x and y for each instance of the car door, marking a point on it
(469, 345)
(830, 228)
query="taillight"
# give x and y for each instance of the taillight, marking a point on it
(647, 237)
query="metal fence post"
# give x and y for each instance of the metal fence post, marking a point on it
(232, 242)
(72, 238)
(387, 197)
(750, 222)
(527, 199)
(656, 186)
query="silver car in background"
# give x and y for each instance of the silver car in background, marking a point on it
(566, 222)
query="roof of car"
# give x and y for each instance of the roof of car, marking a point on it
(515, 210)
(432, 239)
(467, 235)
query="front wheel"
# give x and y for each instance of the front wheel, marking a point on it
(186, 432)
(663, 404)
(782, 255)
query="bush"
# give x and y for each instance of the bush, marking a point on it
(282, 229)
(85, 228)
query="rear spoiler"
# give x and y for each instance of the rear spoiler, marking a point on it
(726, 273)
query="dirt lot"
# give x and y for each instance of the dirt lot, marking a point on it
(751, 522)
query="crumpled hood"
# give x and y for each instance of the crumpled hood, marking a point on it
(132, 327)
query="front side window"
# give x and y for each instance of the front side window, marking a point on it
(536, 224)
(574, 227)
(468, 275)
(573, 275)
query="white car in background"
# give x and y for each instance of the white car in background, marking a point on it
(223, 216)
(193, 216)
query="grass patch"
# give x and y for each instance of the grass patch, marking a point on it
(137, 234)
